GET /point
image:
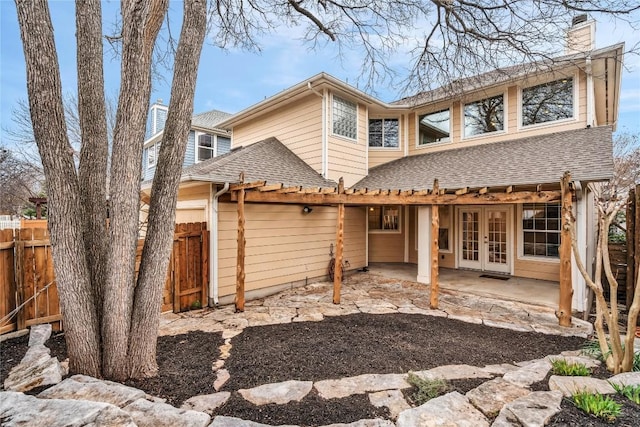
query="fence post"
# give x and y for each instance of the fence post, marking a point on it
(19, 269)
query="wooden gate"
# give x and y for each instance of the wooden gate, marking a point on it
(27, 275)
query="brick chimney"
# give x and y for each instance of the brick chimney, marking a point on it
(581, 37)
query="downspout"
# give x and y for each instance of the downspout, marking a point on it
(579, 285)
(590, 106)
(213, 246)
(325, 151)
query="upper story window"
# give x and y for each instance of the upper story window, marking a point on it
(434, 127)
(541, 229)
(547, 102)
(384, 218)
(384, 133)
(208, 146)
(345, 118)
(152, 154)
(484, 116)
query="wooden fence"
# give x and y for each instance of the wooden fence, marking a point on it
(27, 277)
(633, 243)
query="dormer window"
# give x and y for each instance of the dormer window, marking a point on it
(384, 133)
(206, 149)
(547, 102)
(484, 116)
(345, 118)
(434, 127)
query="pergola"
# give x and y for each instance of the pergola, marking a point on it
(261, 192)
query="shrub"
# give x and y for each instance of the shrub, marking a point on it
(426, 389)
(598, 405)
(562, 367)
(631, 392)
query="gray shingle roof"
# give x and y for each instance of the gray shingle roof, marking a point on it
(267, 160)
(586, 153)
(209, 119)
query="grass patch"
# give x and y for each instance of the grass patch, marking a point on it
(598, 405)
(631, 392)
(564, 368)
(426, 389)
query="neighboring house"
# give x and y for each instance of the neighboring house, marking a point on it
(512, 132)
(206, 139)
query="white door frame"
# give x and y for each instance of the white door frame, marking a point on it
(483, 263)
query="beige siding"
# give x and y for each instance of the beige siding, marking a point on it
(190, 215)
(297, 125)
(193, 192)
(348, 158)
(283, 244)
(413, 234)
(387, 246)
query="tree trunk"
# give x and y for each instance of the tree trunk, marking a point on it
(65, 207)
(92, 171)
(141, 22)
(159, 239)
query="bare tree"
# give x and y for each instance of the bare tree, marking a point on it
(111, 317)
(610, 199)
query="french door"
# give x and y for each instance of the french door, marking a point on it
(485, 238)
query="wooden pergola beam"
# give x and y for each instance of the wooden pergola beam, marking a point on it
(566, 288)
(435, 248)
(272, 187)
(417, 198)
(247, 185)
(241, 242)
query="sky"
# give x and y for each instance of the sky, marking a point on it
(233, 80)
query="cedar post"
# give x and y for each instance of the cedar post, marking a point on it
(566, 287)
(240, 274)
(631, 245)
(435, 247)
(19, 271)
(337, 277)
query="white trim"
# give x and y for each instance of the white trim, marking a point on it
(406, 234)
(366, 142)
(505, 119)
(424, 245)
(520, 240)
(576, 112)
(383, 118)
(214, 148)
(579, 285)
(450, 228)
(325, 143)
(192, 204)
(366, 235)
(405, 122)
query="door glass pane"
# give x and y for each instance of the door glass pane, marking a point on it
(497, 221)
(470, 228)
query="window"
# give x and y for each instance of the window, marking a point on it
(345, 118)
(444, 232)
(152, 154)
(541, 229)
(484, 116)
(205, 146)
(434, 127)
(384, 218)
(383, 133)
(547, 102)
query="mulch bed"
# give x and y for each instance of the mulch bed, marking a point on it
(334, 348)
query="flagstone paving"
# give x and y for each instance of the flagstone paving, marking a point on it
(505, 392)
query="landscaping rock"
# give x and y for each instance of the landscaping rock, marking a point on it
(570, 385)
(39, 334)
(529, 374)
(492, 395)
(392, 399)
(82, 387)
(365, 423)
(337, 389)
(18, 409)
(533, 410)
(452, 409)
(152, 414)
(588, 362)
(308, 314)
(626, 378)
(36, 369)
(222, 421)
(207, 403)
(454, 372)
(507, 324)
(222, 376)
(279, 393)
(500, 369)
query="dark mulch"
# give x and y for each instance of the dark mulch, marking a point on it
(336, 347)
(12, 351)
(571, 415)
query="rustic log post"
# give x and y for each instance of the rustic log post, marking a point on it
(240, 273)
(435, 247)
(630, 238)
(337, 277)
(566, 287)
(636, 238)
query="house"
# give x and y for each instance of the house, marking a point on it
(464, 180)
(206, 139)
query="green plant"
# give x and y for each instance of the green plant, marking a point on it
(636, 361)
(426, 389)
(631, 392)
(562, 367)
(196, 305)
(592, 348)
(598, 405)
